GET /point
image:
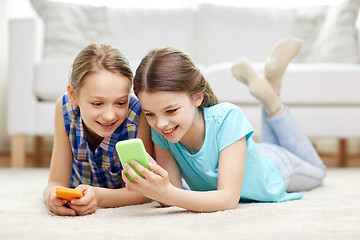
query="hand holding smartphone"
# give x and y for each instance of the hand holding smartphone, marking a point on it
(68, 193)
(132, 149)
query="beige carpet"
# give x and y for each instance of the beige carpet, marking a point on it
(329, 212)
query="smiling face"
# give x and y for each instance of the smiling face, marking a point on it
(173, 114)
(103, 101)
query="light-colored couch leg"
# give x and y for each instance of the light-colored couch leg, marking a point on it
(18, 151)
(342, 152)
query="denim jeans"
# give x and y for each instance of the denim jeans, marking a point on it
(285, 143)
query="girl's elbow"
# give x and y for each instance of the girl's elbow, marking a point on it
(233, 200)
(230, 204)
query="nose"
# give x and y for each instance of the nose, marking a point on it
(161, 122)
(109, 114)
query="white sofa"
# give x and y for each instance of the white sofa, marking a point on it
(321, 86)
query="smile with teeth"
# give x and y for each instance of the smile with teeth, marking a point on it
(170, 130)
(107, 124)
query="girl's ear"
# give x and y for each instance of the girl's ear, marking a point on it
(198, 98)
(72, 95)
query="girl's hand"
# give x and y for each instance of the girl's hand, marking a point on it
(155, 185)
(58, 205)
(87, 204)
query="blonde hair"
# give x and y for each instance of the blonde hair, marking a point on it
(96, 57)
(169, 69)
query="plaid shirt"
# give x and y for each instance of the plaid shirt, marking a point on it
(102, 168)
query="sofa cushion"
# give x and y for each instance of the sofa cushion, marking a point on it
(337, 39)
(137, 30)
(71, 27)
(303, 84)
(307, 21)
(51, 78)
(225, 33)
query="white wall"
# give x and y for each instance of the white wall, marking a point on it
(4, 137)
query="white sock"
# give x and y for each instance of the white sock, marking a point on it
(281, 55)
(259, 87)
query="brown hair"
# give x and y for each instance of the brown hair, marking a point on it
(96, 57)
(169, 69)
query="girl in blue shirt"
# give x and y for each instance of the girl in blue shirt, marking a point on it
(210, 145)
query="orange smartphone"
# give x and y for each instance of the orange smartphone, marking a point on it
(68, 193)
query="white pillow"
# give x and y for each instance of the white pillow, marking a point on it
(307, 22)
(337, 39)
(71, 27)
(225, 33)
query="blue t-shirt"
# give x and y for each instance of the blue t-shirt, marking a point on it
(225, 124)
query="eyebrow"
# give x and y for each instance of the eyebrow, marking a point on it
(167, 107)
(101, 97)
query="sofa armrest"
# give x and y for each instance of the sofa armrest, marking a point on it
(24, 51)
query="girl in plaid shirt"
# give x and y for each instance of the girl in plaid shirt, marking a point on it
(96, 111)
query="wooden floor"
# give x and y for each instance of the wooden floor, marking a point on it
(329, 160)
